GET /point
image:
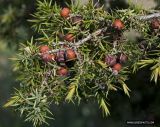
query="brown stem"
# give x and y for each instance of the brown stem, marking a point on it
(80, 42)
(148, 17)
(90, 36)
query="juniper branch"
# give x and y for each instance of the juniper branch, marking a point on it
(80, 42)
(150, 16)
(90, 36)
(98, 32)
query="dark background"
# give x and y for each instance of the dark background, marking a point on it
(142, 105)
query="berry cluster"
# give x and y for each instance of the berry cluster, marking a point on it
(116, 61)
(63, 56)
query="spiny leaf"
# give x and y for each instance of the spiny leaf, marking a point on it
(125, 88)
(103, 65)
(11, 102)
(155, 74)
(112, 87)
(14, 59)
(71, 92)
(142, 62)
(104, 107)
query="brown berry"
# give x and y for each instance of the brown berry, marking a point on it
(117, 67)
(123, 58)
(70, 54)
(62, 71)
(110, 60)
(118, 24)
(69, 37)
(155, 24)
(43, 48)
(65, 12)
(48, 57)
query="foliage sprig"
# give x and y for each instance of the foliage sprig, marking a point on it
(103, 57)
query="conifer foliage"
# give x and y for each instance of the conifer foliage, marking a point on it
(81, 53)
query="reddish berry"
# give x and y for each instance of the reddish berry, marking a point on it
(65, 12)
(117, 67)
(155, 24)
(118, 24)
(110, 60)
(70, 54)
(48, 57)
(62, 71)
(43, 49)
(69, 37)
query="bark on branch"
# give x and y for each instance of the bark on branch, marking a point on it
(77, 44)
(90, 36)
(148, 17)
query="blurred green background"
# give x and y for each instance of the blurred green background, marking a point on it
(14, 28)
